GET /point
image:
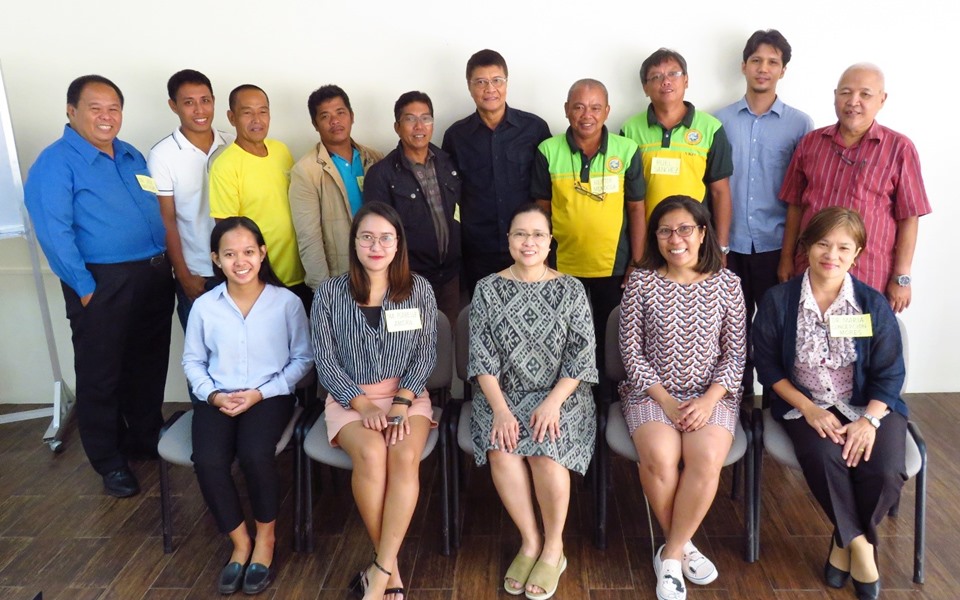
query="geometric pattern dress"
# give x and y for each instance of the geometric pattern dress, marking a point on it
(529, 335)
(685, 337)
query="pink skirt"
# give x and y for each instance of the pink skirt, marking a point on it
(382, 395)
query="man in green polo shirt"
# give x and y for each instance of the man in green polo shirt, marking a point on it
(591, 181)
(685, 151)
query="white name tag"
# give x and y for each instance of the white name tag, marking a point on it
(665, 166)
(606, 184)
(403, 319)
(851, 326)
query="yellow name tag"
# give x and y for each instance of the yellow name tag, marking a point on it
(360, 182)
(456, 212)
(851, 326)
(147, 184)
(605, 184)
(665, 166)
(403, 319)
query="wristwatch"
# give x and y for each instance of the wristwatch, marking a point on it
(872, 420)
(725, 249)
(902, 280)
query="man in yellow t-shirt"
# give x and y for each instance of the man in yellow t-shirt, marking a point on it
(251, 177)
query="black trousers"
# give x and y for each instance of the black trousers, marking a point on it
(757, 273)
(121, 345)
(448, 298)
(854, 499)
(605, 294)
(251, 437)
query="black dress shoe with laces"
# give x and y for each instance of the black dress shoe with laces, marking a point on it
(231, 578)
(121, 483)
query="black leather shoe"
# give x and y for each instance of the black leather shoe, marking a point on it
(835, 578)
(257, 578)
(867, 591)
(231, 578)
(121, 483)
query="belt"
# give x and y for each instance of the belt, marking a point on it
(153, 261)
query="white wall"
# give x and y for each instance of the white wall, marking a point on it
(377, 50)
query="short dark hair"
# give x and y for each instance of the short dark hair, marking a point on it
(324, 93)
(398, 273)
(486, 58)
(769, 36)
(181, 78)
(77, 85)
(710, 258)
(830, 218)
(243, 88)
(658, 58)
(266, 274)
(529, 207)
(409, 98)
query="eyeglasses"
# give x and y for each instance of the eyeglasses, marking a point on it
(539, 237)
(481, 84)
(578, 187)
(683, 231)
(658, 77)
(411, 120)
(366, 240)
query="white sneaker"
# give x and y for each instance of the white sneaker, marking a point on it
(658, 562)
(670, 580)
(697, 568)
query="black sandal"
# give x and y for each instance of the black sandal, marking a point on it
(396, 590)
(360, 583)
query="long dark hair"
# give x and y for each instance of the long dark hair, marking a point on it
(266, 274)
(709, 259)
(399, 280)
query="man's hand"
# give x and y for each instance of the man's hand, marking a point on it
(193, 285)
(85, 300)
(898, 296)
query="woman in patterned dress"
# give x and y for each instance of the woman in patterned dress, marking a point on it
(832, 391)
(683, 342)
(532, 351)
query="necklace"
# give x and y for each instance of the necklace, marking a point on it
(542, 275)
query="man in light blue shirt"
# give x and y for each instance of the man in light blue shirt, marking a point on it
(94, 207)
(763, 132)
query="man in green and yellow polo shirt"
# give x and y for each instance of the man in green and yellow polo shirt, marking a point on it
(591, 181)
(685, 151)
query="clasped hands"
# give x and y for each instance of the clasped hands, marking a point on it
(374, 418)
(544, 422)
(857, 437)
(689, 415)
(236, 402)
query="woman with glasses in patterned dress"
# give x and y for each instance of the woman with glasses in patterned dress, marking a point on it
(532, 358)
(375, 345)
(683, 342)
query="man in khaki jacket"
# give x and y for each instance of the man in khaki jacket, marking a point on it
(326, 186)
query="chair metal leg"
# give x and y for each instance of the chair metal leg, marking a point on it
(748, 497)
(757, 477)
(454, 476)
(165, 517)
(601, 466)
(920, 515)
(737, 466)
(298, 498)
(307, 526)
(445, 485)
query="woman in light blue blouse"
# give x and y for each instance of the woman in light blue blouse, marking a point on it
(246, 346)
(375, 344)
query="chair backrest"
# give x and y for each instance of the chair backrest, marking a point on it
(613, 366)
(906, 353)
(442, 374)
(462, 341)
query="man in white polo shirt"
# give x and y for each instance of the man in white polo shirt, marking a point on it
(178, 164)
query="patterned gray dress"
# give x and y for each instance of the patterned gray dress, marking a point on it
(529, 336)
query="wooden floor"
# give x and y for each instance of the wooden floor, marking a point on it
(61, 535)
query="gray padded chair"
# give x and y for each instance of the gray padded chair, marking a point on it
(312, 444)
(771, 435)
(176, 447)
(618, 438)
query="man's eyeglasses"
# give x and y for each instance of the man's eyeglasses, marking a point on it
(539, 237)
(579, 188)
(411, 120)
(658, 77)
(367, 240)
(482, 83)
(683, 231)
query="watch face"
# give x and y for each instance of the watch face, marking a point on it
(903, 280)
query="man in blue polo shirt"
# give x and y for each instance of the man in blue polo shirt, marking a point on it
(494, 148)
(763, 132)
(94, 207)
